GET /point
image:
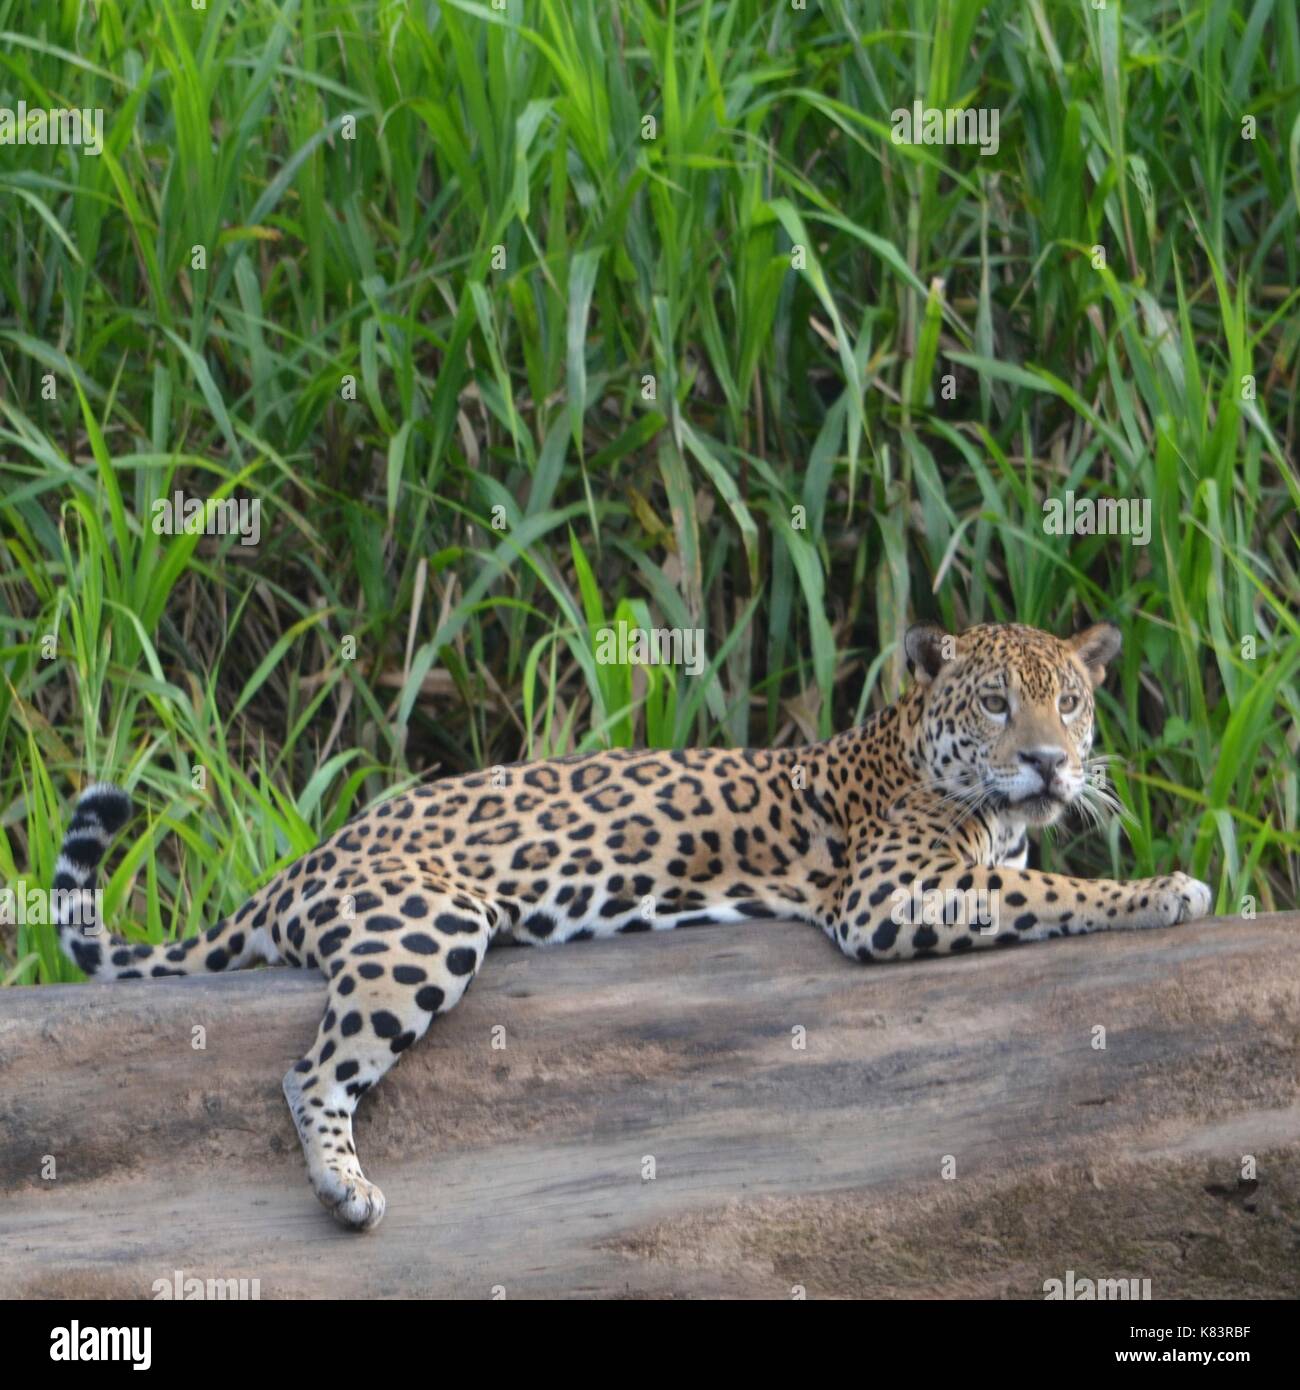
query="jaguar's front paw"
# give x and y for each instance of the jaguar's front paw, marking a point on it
(1180, 898)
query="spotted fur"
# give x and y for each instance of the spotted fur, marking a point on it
(927, 802)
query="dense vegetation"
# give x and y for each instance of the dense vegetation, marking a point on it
(750, 367)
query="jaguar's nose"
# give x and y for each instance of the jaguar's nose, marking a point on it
(1044, 761)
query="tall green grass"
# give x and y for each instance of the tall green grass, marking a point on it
(759, 370)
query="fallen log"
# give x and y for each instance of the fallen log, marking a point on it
(732, 1111)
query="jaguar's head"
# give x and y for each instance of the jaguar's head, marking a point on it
(1006, 715)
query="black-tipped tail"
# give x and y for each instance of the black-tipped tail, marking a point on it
(102, 810)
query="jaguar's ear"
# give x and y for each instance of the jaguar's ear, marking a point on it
(1097, 646)
(928, 647)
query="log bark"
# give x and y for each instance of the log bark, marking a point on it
(729, 1111)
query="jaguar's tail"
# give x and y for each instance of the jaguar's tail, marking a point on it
(102, 810)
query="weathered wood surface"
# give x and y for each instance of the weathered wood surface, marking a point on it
(775, 1166)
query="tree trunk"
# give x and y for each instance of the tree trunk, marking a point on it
(732, 1111)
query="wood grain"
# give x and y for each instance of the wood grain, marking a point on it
(777, 1165)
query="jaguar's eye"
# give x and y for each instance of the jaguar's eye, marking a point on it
(1068, 703)
(993, 704)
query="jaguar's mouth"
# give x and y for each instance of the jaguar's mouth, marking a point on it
(1041, 808)
(1038, 808)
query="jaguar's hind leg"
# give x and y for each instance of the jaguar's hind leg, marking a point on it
(393, 975)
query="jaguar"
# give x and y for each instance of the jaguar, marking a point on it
(904, 837)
